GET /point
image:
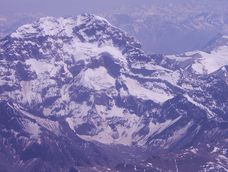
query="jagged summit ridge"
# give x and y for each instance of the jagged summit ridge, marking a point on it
(84, 36)
(51, 26)
(86, 25)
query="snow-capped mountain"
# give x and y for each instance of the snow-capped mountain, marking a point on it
(84, 91)
(208, 61)
(9, 24)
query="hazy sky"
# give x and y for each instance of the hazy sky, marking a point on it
(74, 7)
(61, 7)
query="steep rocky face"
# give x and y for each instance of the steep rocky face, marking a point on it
(79, 89)
(86, 72)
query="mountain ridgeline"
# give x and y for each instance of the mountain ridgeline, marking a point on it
(79, 94)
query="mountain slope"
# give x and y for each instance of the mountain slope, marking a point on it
(80, 89)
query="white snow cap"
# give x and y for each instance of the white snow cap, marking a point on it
(51, 26)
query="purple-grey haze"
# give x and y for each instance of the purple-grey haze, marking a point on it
(61, 7)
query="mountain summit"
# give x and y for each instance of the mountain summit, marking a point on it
(79, 89)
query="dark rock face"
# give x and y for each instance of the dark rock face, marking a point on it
(81, 95)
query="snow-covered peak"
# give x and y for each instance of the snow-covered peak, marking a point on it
(90, 18)
(51, 26)
(92, 74)
(74, 39)
(46, 26)
(214, 57)
(210, 62)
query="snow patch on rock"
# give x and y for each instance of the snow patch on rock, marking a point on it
(155, 94)
(97, 79)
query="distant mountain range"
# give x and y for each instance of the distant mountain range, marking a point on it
(171, 27)
(79, 94)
